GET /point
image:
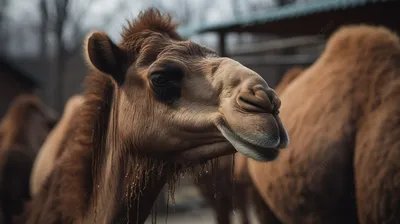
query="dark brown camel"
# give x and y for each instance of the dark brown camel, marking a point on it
(342, 114)
(227, 185)
(22, 129)
(154, 106)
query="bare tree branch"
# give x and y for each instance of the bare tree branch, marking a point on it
(108, 20)
(77, 19)
(69, 18)
(43, 9)
(3, 10)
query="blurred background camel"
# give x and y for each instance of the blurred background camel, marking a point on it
(22, 129)
(344, 130)
(52, 147)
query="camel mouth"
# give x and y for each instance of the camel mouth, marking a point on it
(259, 152)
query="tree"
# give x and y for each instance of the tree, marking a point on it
(3, 10)
(63, 19)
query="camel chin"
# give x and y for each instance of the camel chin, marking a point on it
(262, 151)
(203, 153)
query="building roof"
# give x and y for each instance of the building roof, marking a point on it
(18, 72)
(285, 13)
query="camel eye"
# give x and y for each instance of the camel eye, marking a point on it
(166, 86)
(159, 79)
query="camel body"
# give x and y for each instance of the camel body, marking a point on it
(22, 130)
(342, 116)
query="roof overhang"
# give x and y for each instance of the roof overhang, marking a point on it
(319, 17)
(19, 74)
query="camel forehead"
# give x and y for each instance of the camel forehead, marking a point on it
(161, 52)
(186, 53)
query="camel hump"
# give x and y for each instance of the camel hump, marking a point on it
(364, 41)
(52, 147)
(73, 102)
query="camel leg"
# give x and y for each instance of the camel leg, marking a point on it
(240, 202)
(15, 182)
(377, 167)
(222, 208)
(223, 215)
(219, 203)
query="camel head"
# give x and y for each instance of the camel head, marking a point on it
(27, 121)
(180, 100)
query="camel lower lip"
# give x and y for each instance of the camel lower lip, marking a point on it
(248, 149)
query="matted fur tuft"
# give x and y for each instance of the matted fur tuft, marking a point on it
(152, 20)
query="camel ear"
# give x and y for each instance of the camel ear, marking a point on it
(105, 56)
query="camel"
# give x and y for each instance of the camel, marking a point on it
(22, 129)
(342, 114)
(50, 150)
(226, 189)
(155, 106)
(22, 121)
(288, 78)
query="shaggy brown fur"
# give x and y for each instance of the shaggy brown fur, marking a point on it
(128, 140)
(344, 127)
(377, 151)
(23, 129)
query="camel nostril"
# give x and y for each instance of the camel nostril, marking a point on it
(255, 101)
(276, 102)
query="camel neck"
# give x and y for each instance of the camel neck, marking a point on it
(127, 191)
(125, 184)
(137, 209)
